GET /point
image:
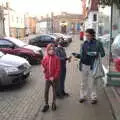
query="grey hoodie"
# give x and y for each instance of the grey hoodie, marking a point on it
(60, 52)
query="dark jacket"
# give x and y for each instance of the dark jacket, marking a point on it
(60, 52)
(88, 47)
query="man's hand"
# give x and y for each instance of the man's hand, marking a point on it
(69, 59)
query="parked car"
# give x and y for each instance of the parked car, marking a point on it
(13, 69)
(16, 47)
(66, 42)
(67, 38)
(43, 40)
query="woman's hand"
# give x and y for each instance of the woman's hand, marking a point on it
(51, 78)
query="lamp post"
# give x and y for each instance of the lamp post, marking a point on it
(111, 35)
(52, 22)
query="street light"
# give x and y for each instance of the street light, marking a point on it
(111, 35)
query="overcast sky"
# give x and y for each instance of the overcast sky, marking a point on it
(42, 7)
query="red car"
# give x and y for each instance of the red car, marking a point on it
(16, 47)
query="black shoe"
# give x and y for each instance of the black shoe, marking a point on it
(94, 101)
(59, 96)
(82, 100)
(66, 94)
(54, 107)
(45, 108)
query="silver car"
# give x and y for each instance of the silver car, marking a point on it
(13, 69)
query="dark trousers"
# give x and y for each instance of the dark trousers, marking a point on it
(61, 83)
(48, 84)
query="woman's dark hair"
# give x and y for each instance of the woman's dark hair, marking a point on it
(91, 31)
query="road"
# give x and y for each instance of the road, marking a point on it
(25, 102)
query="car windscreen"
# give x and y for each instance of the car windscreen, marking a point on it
(17, 42)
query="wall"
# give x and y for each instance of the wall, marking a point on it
(14, 23)
(16, 19)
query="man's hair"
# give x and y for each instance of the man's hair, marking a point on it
(91, 31)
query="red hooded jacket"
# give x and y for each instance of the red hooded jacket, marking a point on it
(51, 65)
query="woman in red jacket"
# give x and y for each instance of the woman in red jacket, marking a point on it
(51, 65)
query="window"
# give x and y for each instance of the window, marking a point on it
(41, 38)
(21, 20)
(38, 38)
(5, 44)
(47, 38)
(95, 17)
(17, 20)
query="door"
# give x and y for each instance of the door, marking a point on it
(7, 46)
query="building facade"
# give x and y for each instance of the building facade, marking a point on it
(90, 13)
(17, 28)
(63, 23)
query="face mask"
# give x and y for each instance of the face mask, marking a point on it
(51, 52)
